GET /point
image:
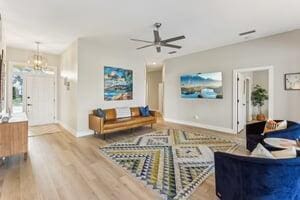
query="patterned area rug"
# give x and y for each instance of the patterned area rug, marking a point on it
(172, 162)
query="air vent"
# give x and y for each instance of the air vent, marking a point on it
(247, 33)
(172, 52)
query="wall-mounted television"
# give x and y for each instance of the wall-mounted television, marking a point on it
(202, 86)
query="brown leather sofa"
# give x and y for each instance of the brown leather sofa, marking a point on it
(112, 124)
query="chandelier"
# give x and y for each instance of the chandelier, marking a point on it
(38, 61)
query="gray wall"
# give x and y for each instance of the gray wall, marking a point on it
(281, 51)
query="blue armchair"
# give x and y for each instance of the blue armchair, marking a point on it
(249, 178)
(254, 133)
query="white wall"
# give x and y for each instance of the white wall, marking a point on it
(67, 104)
(280, 51)
(93, 56)
(3, 77)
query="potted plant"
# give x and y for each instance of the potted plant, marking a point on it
(258, 97)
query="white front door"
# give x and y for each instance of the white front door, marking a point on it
(241, 102)
(40, 99)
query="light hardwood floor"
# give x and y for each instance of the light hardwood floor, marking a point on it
(63, 167)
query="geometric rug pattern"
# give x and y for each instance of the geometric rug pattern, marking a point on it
(172, 162)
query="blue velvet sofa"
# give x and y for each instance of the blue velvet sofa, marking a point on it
(249, 178)
(254, 133)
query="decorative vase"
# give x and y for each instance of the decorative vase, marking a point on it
(260, 117)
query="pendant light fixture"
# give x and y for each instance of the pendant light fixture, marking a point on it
(38, 61)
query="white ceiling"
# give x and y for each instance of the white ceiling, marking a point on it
(206, 23)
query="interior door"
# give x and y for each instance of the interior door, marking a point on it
(241, 102)
(40, 99)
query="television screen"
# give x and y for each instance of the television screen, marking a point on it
(202, 86)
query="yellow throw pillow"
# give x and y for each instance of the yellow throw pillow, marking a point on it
(285, 154)
(271, 125)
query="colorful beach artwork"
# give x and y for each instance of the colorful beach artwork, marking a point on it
(202, 86)
(118, 84)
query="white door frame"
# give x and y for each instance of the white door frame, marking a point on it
(270, 91)
(248, 101)
(9, 86)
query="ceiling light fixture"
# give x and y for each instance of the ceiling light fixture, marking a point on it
(38, 61)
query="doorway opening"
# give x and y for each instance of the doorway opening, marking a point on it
(32, 92)
(245, 81)
(155, 88)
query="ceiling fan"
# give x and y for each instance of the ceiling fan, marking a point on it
(158, 42)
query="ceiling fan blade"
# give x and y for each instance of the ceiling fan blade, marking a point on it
(145, 46)
(137, 40)
(156, 36)
(173, 39)
(158, 49)
(171, 45)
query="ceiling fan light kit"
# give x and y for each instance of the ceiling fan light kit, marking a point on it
(158, 43)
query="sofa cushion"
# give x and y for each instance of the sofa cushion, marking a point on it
(110, 114)
(143, 119)
(117, 123)
(145, 111)
(135, 112)
(123, 122)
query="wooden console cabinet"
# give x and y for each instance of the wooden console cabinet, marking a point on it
(14, 136)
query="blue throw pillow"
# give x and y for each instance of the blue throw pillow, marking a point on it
(145, 111)
(99, 113)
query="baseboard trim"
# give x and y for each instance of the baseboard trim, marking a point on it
(68, 128)
(84, 133)
(199, 125)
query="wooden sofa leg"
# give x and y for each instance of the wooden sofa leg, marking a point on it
(151, 126)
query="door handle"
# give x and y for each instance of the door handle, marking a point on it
(29, 104)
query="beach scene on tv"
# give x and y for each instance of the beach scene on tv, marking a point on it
(117, 84)
(202, 86)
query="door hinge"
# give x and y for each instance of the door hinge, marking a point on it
(238, 101)
(238, 79)
(238, 122)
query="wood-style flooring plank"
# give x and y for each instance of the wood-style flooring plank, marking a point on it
(62, 167)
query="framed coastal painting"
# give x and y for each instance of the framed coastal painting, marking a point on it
(292, 81)
(118, 84)
(202, 86)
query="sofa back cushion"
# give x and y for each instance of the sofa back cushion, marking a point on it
(110, 114)
(123, 112)
(135, 111)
